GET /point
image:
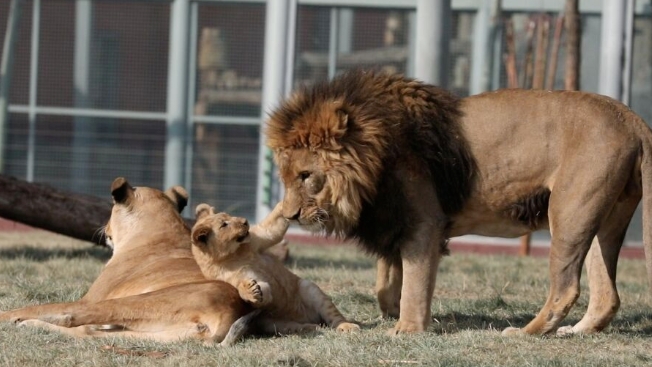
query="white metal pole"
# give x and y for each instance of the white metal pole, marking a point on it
(33, 88)
(83, 125)
(6, 69)
(611, 48)
(628, 52)
(277, 34)
(176, 93)
(432, 41)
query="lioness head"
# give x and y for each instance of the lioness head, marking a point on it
(133, 204)
(218, 234)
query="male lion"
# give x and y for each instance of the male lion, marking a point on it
(151, 287)
(227, 249)
(402, 166)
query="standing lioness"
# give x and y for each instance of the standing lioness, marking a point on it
(227, 249)
(402, 166)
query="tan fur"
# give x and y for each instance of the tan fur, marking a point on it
(402, 166)
(227, 249)
(151, 287)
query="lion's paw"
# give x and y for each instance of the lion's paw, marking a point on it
(347, 327)
(251, 292)
(512, 331)
(565, 331)
(403, 327)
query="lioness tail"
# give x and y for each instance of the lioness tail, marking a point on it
(239, 328)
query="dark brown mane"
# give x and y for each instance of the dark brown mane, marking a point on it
(391, 121)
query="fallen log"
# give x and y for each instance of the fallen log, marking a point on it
(42, 206)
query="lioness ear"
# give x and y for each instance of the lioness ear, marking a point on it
(121, 191)
(179, 196)
(203, 210)
(200, 234)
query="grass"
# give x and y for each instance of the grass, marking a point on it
(476, 297)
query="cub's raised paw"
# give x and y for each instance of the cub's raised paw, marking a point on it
(251, 292)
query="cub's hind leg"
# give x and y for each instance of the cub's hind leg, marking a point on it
(318, 302)
(601, 263)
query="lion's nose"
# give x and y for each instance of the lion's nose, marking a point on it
(295, 216)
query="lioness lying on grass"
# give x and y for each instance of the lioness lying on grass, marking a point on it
(227, 249)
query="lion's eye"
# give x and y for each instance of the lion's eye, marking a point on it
(304, 175)
(224, 224)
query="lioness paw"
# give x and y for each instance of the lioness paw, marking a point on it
(403, 327)
(347, 327)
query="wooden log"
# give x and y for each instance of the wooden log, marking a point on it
(42, 206)
(572, 25)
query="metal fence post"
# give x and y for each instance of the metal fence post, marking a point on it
(176, 93)
(611, 48)
(6, 69)
(278, 29)
(432, 44)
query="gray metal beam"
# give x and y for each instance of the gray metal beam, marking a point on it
(84, 128)
(611, 48)
(484, 41)
(176, 93)
(6, 70)
(432, 44)
(277, 33)
(33, 88)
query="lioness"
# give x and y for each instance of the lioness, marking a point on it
(227, 249)
(151, 287)
(402, 166)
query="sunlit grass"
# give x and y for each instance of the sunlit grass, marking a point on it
(476, 297)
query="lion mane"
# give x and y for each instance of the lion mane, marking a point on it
(360, 123)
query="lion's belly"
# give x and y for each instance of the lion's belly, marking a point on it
(481, 219)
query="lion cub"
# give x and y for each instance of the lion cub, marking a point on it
(227, 249)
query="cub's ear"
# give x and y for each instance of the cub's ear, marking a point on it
(121, 191)
(179, 196)
(200, 234)
(203, 210)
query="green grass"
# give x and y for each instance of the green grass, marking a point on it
(476, 297)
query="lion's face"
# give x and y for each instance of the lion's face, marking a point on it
(218, 234)
(316, 195)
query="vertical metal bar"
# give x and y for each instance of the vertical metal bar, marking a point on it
(412, 47)
(274, 70)
(628, 56)
(84, 129)
(192, 93)
(345, 30)
(485, 35)
(290, 47)
(6, 70)
(33, 88)
(332, 42)
(176, 93)
(611, 48)
(433, 22)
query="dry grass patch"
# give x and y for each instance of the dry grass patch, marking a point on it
(476, 297)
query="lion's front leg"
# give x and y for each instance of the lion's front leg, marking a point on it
(389, 276)
(420, 262)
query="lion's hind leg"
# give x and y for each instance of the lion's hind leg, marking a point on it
(583, 197)
(601, 263)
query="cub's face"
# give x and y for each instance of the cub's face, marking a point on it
(309, 198)
(218, 234)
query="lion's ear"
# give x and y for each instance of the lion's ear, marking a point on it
(121, 191)
(203, 210)
(200, 234)
(179, 197)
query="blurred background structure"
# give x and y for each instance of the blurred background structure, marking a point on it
(175, 92)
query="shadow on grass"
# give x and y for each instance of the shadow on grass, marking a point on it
(41, 254)
(312, 262)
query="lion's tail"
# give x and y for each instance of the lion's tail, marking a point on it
(239, 328)
(646, 178)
